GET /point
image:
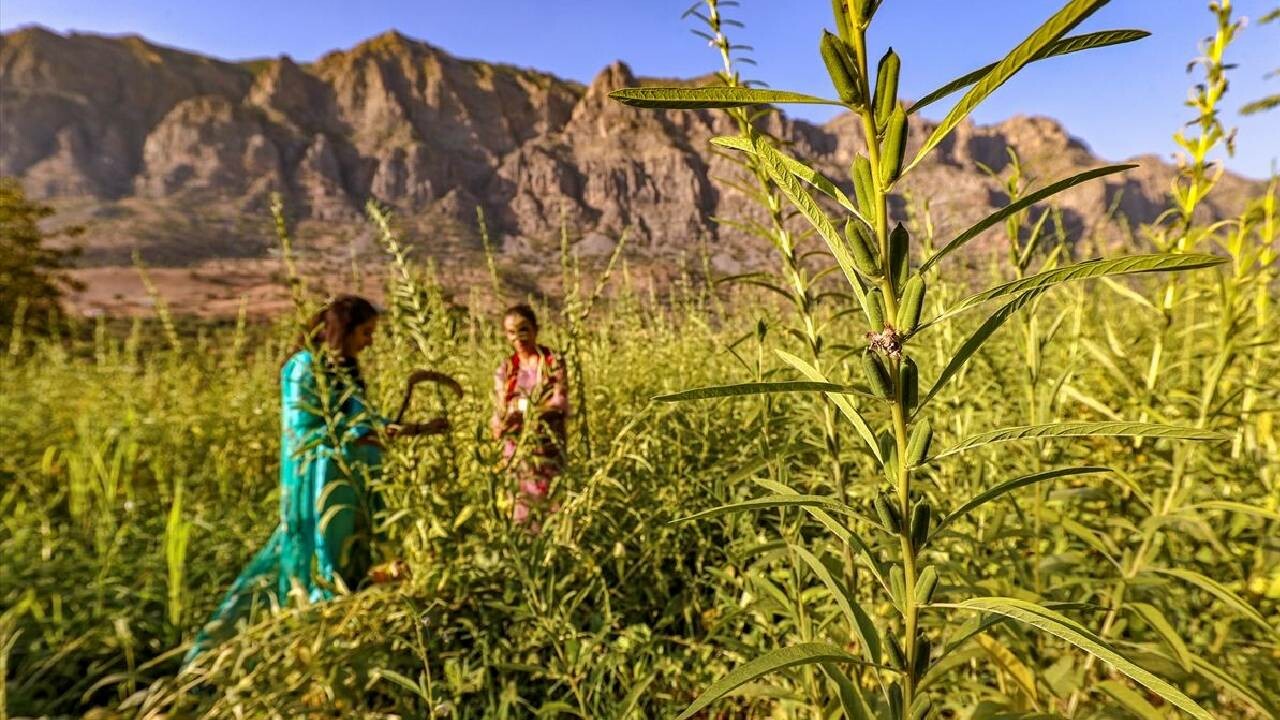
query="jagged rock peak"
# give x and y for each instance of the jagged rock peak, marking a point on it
(595, 102)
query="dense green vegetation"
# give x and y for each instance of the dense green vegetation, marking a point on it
(139, 477)
(885, 496)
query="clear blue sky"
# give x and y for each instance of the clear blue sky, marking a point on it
(1121, 101)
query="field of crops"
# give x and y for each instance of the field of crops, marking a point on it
(140, 476)
(1026, 485)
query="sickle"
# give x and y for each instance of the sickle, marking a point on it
(416, 377)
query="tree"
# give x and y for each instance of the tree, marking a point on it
(32, 277)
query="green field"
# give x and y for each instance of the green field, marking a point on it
(140, 477)
(900, 476)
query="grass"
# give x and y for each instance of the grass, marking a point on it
(614, 607)
(866, 500)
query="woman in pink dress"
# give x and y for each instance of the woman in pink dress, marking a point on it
(531, 401)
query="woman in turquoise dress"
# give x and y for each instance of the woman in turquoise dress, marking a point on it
(330, 452)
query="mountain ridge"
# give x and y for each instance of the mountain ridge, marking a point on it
(175, 154)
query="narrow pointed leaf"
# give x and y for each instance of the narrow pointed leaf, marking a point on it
(842, 403)
(1011, 485)
(803, 654)
(1090, 269)
(1010, 664)
(1075, 43)
(1081, 429)
(771, 501)
(845, 535)
(980, 336)
(797, 168)
(711, 97)
(1066, 629)
(1218, 590)
(775, 165)
(1061, 23)
(1238, 507)
(1228, 681)
(859, 622)
(1130, 700)
(752, 388)
(1019, 204)
(1152, 616)
(851, 700)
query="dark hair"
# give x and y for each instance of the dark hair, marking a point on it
(330, 327)
(523, 311)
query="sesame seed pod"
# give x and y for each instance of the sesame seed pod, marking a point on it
(844, 77)
(862, 248)
(912, 302)
(896, 656)
(873, 306)
(886, 93)
(918, 445)
(899, 256)
(920, 524)
(926, 584)
(863, 187)
(924, 649)
(888, 514)
(909, 377)
(865, 8)
(877, 376)
(895, 700)
(893, 147)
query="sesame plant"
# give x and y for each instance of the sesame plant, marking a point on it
(892, 665)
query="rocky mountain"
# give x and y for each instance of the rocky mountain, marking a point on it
(175, 155)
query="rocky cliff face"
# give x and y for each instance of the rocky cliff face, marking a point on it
(176, 154)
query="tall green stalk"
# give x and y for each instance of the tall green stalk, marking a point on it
(876, 261)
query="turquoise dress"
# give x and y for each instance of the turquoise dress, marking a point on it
(326, 507)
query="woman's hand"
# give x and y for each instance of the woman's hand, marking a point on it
(390, 572)
(372, 440)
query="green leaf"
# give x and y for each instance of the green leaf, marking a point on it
(1075, 43)
(1063, 627)
(1231, 683)
(1032, 48)
(399, 679)
(1081, 429)
(844, 404)
(859, 622)
(781, 659)
(1130, 700)
(1152, 616)
(1010, 664)
(797, 168)
(1215, 588)
(1011, 485)
(711, 97)
(1013, 207)
(771, 501)
(851, 700)
(775, 165)
(752, 388)
(837, 529)
(1238, 507)
(980, 336)
(1090, 269)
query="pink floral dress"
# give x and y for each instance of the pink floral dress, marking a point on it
(534, 391)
